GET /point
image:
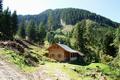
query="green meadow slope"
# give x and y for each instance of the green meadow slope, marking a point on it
(50, 69)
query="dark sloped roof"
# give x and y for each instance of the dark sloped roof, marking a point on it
(66, 48)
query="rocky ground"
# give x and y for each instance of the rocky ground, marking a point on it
(45, 73)
(11, 72)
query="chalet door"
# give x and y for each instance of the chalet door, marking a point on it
(67, 56)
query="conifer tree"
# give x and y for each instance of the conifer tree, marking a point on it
(14, 23)
(80, 36)
(21, 30)
(50, 22)
(117, 39)
(1, 6)
(6, 24)
(31, 31)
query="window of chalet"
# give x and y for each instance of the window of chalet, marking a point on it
(52, 55)
(59, 55)
(73, 54)
(57, 47)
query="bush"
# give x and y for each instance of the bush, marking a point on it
(106, 58)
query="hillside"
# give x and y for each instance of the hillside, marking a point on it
(14, 66)
(59, 44)
(70, 16)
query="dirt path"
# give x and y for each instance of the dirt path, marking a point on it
(61, 75)
(45, 73)
(9, 72)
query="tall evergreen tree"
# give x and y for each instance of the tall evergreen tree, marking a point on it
(50, 37)
(80, 40)
(31, 31)
(0, 18)
(21, 30)
(116, 60)
(1, 6)
(40, 33)
(6, 24)
(14, 23)
(117, 39)
(50, 22)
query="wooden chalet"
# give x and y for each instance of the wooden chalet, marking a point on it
(61, 52)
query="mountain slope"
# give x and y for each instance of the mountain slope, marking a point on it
(69, 16)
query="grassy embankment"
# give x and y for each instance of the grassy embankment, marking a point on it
(92, 71)
(75, 72)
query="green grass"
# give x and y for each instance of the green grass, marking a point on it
(38, 50)
(68, 69)
(13, 57)
(19, 60)
(103, 67)
(64, 67)
(75, 72)
(111, 73)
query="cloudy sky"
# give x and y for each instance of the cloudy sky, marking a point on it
(107, 8)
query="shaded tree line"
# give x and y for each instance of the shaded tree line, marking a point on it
(8, 23)
(30, 31)
(98, 43)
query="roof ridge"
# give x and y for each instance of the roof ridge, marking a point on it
(67, 48)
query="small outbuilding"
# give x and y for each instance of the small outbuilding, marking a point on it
(61, 52)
